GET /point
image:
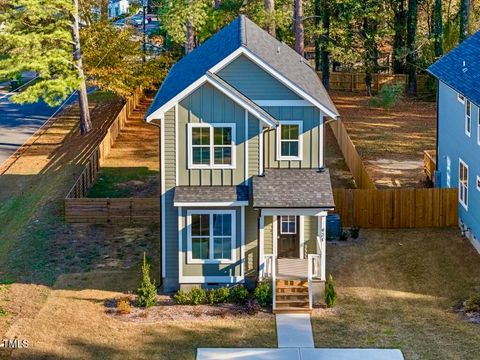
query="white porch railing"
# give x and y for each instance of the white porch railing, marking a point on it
(314, 270)
(320, 252)
(270, 272)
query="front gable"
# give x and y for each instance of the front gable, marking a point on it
(254, 82)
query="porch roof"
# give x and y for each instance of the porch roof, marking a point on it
(211, 196)
(293, 188)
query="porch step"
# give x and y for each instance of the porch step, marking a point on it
(292, 310)
(291, 283)
(292, 289)
(291, 297)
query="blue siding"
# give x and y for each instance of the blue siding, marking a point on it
(454, 144)
(254, 82)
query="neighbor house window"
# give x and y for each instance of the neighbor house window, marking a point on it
(463, 184)
(211, 236)
(461, 98)
(478, 125)
(478, 183)
(289, 140)
(211, 146)
(288, 224)
(468, 117)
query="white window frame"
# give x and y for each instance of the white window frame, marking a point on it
(478, 125)
(210, 260)
(212, 126)
(461, 98)
(460, 185)
(300, 140)
(288, 221)
(468, 118)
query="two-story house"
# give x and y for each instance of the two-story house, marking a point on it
(458, 133)
(244, 190)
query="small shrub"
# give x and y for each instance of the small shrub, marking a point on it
(123, 306)
(239, 295)
(472, 304)
(3, 312)
(222, 295)
(181, 298)
(211, 297)
(263, 294)
(330, 293)
(355, 232)
(387, 97)
(147, 292)
(197, 296)
(343, 235)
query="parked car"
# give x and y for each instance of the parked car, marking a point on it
(137, 20)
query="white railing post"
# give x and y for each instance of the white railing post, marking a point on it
(310, 280)
(274, 277)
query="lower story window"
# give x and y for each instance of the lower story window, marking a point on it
(211, 236)
(463, 184)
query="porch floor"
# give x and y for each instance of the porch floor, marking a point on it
(292, 269)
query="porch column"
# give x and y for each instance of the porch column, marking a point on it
(261, 252)
(322, 247)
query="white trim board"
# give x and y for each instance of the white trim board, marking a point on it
(210, 279)
(289, 103)
(297, 212)
(209, 204)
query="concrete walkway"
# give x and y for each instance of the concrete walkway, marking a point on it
(294, 331)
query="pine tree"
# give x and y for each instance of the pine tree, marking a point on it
(270, 10)
(147, 292)
(464, 18)
(299, 30)
(330, 293)
(411, 47)
(438, 28)
(37, 36)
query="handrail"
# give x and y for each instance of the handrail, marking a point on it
(320, 253)
(314, 267)
(270, 271)
(274, 280)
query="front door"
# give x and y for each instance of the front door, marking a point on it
(288, 245)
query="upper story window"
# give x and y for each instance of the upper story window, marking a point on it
(463, 184)
(211, 236)
(289, 140)
(461, 98)
(211, 146)
(468, 117)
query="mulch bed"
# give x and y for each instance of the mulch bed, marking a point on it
(167, 310)
(470, 317)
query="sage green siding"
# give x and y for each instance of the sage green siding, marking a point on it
(254, 82)
(251, 242)
(268, 235)
(208, 105)
(310, 226)
(310, 137)
(212, 269)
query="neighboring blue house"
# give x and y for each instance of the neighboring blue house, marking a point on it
(458, 136)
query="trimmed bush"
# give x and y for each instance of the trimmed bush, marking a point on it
(387, 97)
(147, 292)
(197, 296)
(239, 294)
(222, 295)
(181, 298)
(330, 293)
(211, 297)
(472, 304)
(355, 232)
(263, 294)
(343, 235)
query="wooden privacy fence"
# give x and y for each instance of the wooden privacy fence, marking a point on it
(352, 158)
(101, 151)
(112, 211)
(345, 81)
(397, 208)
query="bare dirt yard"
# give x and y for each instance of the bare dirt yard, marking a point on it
(391, 142)
(339, 172)
(399, 288)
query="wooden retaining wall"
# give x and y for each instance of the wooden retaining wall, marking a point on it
(345, 81)
(397, 208)
(352, 158)
(112, 211)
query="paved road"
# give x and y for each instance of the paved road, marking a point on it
(19, 122)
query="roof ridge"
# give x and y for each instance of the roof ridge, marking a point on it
(243, 30)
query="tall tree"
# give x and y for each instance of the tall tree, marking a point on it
(412, 47)
(270, 10)
(322, 54)
(464, 18)
(104, 9)
(299, 30)
(37, 36)
(438, 28)
(399, 36)
(217, 4)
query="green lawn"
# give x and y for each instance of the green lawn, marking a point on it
(397, 289)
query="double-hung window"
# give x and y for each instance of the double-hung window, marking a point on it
(463, 184)
(468, 117)
(211, 146)
(289, 140)
(211, 236)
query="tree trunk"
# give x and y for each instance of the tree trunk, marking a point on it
(104, 10)
(400, 30)
(299, 32)
(85, 122)
(270, 9)
(189, 37)
(464, 18)
(438, 28)
(317, 7)
(411, 47)
(370, 28)
(217, 4)
(322, 55)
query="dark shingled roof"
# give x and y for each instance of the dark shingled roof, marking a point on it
(460, 70)
(198, 194)
(293, 188)
(241, 32)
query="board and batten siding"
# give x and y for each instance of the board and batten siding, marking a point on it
(254, 82)
(170, 215)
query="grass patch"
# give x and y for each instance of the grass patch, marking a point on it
(397, 289)
(116, 182)
(3, 312)
(101, 96)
